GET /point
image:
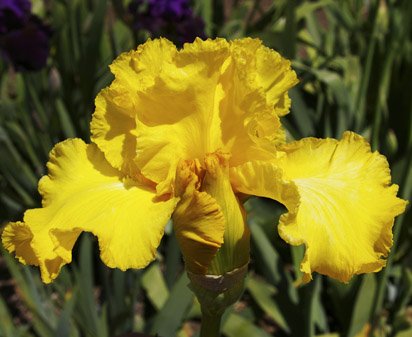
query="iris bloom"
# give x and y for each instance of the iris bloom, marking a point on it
(173, 19)
(182, 134)
(24, 38)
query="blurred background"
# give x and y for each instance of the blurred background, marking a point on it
(354, 62)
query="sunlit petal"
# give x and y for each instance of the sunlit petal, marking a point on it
(16, 238)
(178, 116)
(340, 200)
(114, 130)
(198, 221)
(82, 192)
(275, 77)
(167, 105)
(347, 206)
(113, 125)
(265, 179)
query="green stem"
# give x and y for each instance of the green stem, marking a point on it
(210, 324)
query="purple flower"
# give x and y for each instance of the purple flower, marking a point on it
(13, 14)
(169, 8)
(173, 19)
(24, 39)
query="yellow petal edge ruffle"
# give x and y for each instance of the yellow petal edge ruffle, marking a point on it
(82, 192)
(183, 104)
(340, 200)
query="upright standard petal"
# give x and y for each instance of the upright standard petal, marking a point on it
(347, 206)
(208, 100)
(276, 78)
(82, 192)
(178, 116)
(251, 127)
(113, 124)
(211, 95)
(114, 129)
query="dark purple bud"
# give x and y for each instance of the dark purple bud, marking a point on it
(173, 19)
(27, 48)
(190, 28)
(169, 8)
(13, 14)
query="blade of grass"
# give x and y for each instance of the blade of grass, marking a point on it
(170, 317)
(262, 293)
(360, 100)
(238, 326)
(363, 305)
(154, 284)
(66, 124)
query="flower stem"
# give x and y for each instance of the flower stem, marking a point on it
(210, 324)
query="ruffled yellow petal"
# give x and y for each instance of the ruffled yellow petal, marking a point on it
(178, 116)
(114, 130)
(113, 125)
(208, 101)
(265, 179)
(251, 128)
(199, 225)
(209, 220)
(198, 220)
(276, 78)
(82, 192)
(340, 201)
(211, 95)
(16, 238)
(347, 206)
(137, 70)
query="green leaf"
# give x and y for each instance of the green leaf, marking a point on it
(154, 284)
(7, 328)
(267, 254)
(308, 7)
(91, 51)
(263, 293)
(363, 304)
(168, 320)
(205, 9)
(319, 316)
(67, 126)
(404, 333)
(237, 326)
(65, 324)
(85, 312)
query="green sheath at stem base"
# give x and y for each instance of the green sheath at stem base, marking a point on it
(215, 294)
(210, 324)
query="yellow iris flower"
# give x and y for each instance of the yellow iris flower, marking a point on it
(181, 134)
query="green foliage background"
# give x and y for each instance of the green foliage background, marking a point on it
(354, 61)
